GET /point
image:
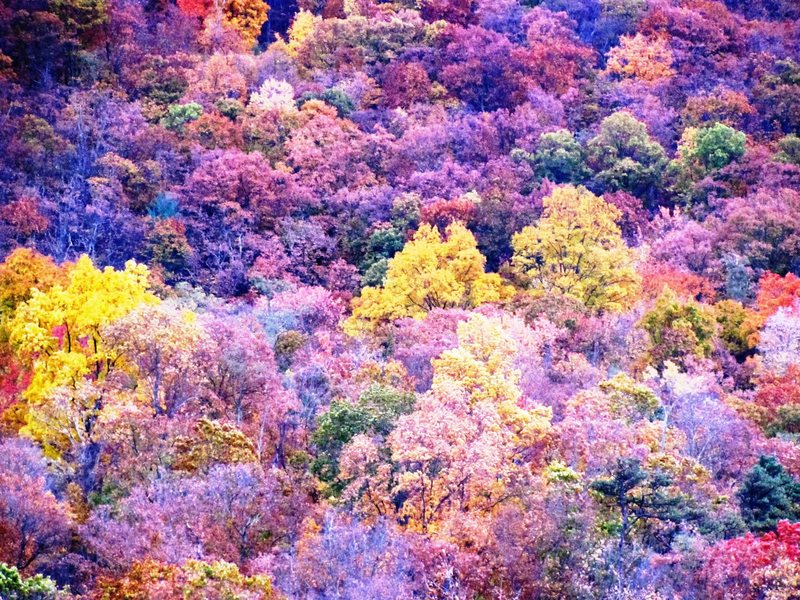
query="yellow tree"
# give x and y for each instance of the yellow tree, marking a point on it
(57, 334)
(246, 17)
(430, 272)
(301, 29)
(576, 249)
(23, 270)
(192, 580)
(482, 363)
(642, 58)
(161, 347)
(473, 441)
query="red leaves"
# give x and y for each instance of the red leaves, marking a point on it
(775, 292)
(441, 213)
(775, 390)
(196, 8)
(405, 83)
(747, 566)
(24, 217)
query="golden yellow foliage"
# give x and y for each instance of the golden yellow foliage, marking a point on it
(576, 249)
(159, 347)
(302, 27)
(482, 366)
(246, 17)
(482, 363)
(213, 443)
(21, 271)
(430, 272)
(57, 332)
(640, 57)
(472, 438)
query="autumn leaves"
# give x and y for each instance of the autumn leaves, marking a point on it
(575, 249)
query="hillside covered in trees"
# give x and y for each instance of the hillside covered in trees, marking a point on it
(423, 299)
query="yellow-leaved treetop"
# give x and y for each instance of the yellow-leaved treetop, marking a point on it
(642, 58)
(482, 365)
(576, 249)
(161, 347)
(57, 333)
(431, 271)
(302, 27)
(246, 17)
(473, 441)
(21, 271)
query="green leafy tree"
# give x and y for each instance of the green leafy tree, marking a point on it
(789, 150)
(678, 328)
(625, 157)
(768, 495)
(640, 496)
(374, 413)
(700, 153)
(777, 96)
(719, 145)
(81, 15)
(179, 115)
(787, 420)
(14, 587)
(333, 96)
(559, 158)
(382, 245)
(735, 330)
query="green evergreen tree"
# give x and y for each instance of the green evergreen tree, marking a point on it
(640, 495)
(768, 495)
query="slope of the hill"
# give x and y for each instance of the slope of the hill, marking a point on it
(444, 299)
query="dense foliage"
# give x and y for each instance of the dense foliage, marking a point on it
(443, 299)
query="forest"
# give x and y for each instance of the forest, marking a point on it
(399, 300)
